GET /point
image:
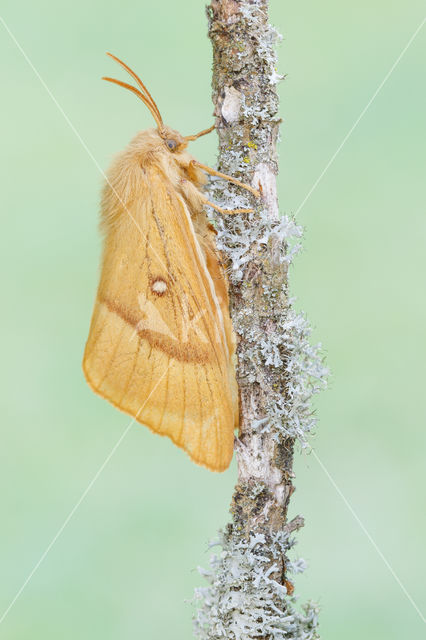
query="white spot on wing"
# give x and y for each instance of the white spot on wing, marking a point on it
(159, 286)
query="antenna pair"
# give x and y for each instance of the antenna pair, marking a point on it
(147, 98)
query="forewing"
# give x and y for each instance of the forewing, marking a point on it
(157, 347)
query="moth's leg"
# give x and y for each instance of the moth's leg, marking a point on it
(196, 197)
(202, 133)
(213, 172)
(225, 211)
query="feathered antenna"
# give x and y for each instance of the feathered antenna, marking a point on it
(144, 95)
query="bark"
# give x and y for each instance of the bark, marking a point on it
(250, 594)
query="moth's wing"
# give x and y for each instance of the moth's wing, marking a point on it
(157, 347)
(206, 237)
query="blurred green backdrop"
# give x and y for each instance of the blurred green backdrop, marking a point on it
(125, 563)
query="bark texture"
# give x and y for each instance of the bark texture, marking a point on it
(250, 594)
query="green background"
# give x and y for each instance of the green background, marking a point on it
(125, 562)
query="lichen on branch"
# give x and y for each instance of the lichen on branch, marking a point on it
(249, 593)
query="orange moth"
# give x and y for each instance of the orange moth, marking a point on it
(161, 345)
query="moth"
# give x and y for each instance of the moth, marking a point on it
(161, 346)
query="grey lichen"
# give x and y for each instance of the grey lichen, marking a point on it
(244, 600)
(249, 594)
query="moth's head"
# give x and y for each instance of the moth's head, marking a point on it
(174, 142)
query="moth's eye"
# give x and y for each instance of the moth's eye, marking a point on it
(171, 144)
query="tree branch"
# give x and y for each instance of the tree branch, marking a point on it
(249, 594)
